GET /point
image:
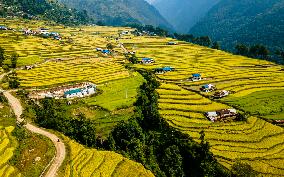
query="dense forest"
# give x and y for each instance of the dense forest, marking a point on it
(117, 13)
(43, 9)
(247, 22)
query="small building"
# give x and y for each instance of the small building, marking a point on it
(168, 69)
(164, 70)
(223, 114)
(106, 51)
(99, 49)
(208, 88)
(172, 43)
(147, 60)
(221, 94)
(196, 77)
(44, 31)
(54, 34)
(3, 28)
(73, 93)
(27, 67)
(80, 92)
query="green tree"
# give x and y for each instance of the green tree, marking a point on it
(13, 81)
(109, 46)
(172, 162)
(2, 57)
(242, 49)
(14, 60)
(216, 45)
(240, 169)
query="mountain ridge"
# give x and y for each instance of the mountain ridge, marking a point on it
(120, 12)
(245, 21)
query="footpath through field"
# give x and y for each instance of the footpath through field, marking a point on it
(60, 147)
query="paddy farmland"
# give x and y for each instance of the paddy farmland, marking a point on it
(253, 84)
(181, 103)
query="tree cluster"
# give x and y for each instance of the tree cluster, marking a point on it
(148, 139)
(150, 29)
(202, 40)
(47, 10)
(254, 51)
(52, 114)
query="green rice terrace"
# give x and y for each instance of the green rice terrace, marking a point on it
(255, 86)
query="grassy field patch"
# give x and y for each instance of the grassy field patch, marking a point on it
(268, 104)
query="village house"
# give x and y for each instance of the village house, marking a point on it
(164, 70)
(208, 88)
(80, 92)
(224, 114)
(3, 28)
(106, 51)
(99, 49)
(221, 94)
(147, 60)
(172, 43)
(196, 77)
(29, 32)
(43, 31)
(27, 67)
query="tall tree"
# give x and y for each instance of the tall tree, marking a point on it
(242, 49)
(216, 45)
(2, 57)
(14, 60)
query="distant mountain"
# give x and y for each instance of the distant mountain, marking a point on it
(244, 21)
(43, 9)
(183, 14)
(120, 12)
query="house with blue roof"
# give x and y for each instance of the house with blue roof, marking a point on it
(196, 77)
(80, 92)
(147, 60)
(164, 70)
(3, 28)
(106, 51)
(208, 88)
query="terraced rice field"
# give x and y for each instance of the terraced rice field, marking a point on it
(256, 141)
(7, 147)
(76, 42)
(96, 70)
(91, 162)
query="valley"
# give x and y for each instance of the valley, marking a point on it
(75, 59)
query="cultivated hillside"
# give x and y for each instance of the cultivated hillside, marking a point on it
(120, 12)
(183, 14)
(244, 21)
(255, 141)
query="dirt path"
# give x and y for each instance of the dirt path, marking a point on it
(60, 147)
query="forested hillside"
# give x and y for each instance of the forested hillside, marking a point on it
(183, 14)
(120, 12)
(43, 9)
(244, 21)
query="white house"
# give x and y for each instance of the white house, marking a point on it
(43, 31)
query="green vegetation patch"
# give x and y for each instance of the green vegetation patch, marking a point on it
(33, 153)
(269, 103)
(117, 94)
(104, 120)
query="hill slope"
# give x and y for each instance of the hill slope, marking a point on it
(44, 9)
(183, 14)
(244, 21)
(120, 12)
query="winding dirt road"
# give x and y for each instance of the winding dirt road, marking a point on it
(60, 147)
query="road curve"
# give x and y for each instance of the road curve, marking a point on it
(60, 147)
